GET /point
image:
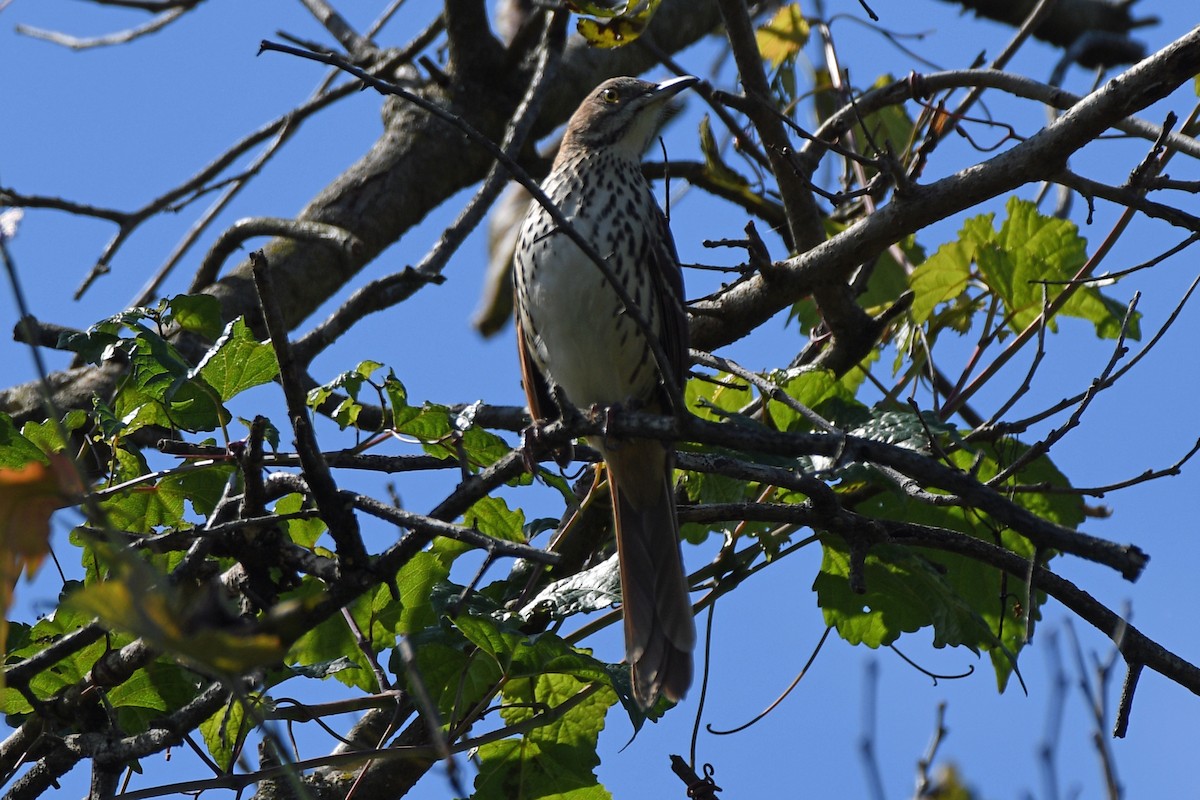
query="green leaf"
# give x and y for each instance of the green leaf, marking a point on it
(161, 686)
(944, 276)
(890, 128)
(225, 732)
(396, 394)
(822, 392)
(142, 508)
(455, 678)
(93, 345)
(15, 449)
(25, 642)
(48, 435)
(904, 594)
(378, 616)
(367, 368)
(556, 760)
(416, 580)
(149, 506)
(990, 594)
(905, 429)
(1025, 264)
(725, 393)
(198, 313)
(492, 516)
(351, 382)
(483, 448)
(1029, 247)
(106, 419)
(237, 361)
(202, 488)
(270, 432)
(784, 36)
(1063, 508)
(159, 390)
(428, 423)
(517, 655)
(304, 532)
(1104, 312)
(328, 641)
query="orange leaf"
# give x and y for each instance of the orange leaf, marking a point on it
(28, 496)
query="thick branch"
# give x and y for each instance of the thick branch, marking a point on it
(1043, 156)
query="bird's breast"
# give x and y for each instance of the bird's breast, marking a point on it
(578, 331)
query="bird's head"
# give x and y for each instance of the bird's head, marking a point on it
(621, 114)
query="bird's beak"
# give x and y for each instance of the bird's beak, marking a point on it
(668, 89)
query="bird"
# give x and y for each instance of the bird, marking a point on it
(581, 347)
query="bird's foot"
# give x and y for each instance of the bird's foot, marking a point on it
(533, 445)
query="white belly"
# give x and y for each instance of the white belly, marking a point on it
(582, 340)
(584, 343)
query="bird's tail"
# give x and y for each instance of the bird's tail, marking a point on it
(660, 631)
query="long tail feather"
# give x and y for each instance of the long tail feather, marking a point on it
(660, 631)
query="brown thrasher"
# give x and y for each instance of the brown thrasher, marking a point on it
(579, 344)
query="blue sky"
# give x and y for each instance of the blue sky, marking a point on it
(117, 126)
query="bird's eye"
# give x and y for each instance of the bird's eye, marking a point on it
(610, 96)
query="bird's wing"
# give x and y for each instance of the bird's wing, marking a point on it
(537, 391)
(668, 283)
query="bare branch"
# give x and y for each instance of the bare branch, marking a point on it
(121, 37)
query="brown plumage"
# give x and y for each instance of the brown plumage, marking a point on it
(574, 334)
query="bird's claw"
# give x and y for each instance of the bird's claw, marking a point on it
(531, 443)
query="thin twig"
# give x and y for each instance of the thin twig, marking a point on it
(120, 37)
(393, 289)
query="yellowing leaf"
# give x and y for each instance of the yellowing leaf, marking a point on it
(190, 624)
(784, 36)
(611, 25)
(28, 496)
(714, 165)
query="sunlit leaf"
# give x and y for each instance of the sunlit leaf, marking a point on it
(415, 581)
(784, 36)
(1027, 263)
(237, 361)
(557, 760)
(904, 594)
(49, 435)
(714, 166)
(609, 25)
(225, 731)
(16, 450)
(944, 276)
(492, 516)
(161, 686)
(49, 630)
(593, 589)
(989, 593)
(303, 532)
